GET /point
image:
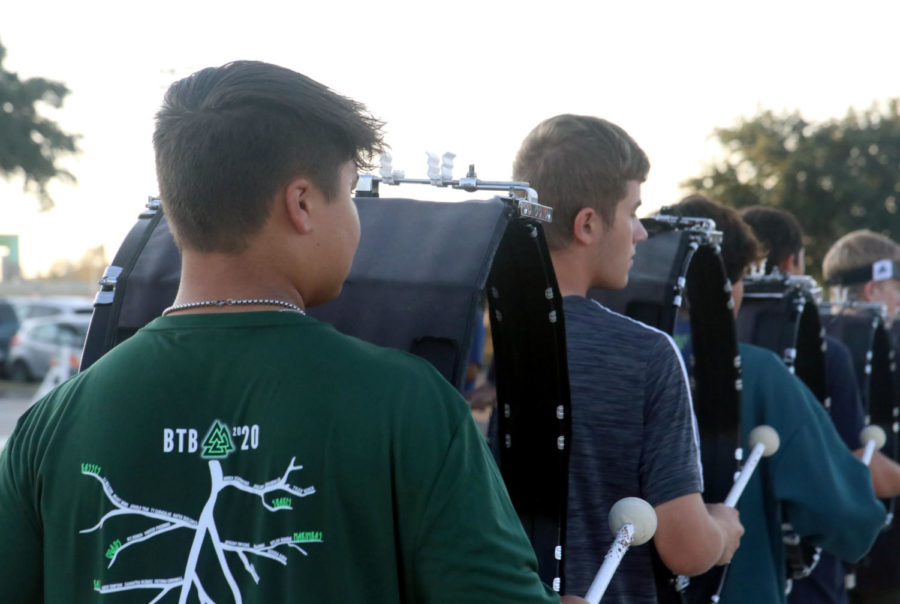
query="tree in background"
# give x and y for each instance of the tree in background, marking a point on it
(835, 176)
(31, 145)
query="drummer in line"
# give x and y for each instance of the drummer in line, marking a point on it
(863, 265)
(813, 477)
(782, 235)
(633, 427)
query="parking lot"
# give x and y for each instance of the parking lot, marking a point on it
(14, 400)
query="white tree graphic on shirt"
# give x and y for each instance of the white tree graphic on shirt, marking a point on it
(203, 527)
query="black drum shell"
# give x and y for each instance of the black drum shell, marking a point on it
(533, 414)
(784, 318)
(864, 332)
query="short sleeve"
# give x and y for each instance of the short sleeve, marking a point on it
(670, 462)
(463, 541)
(472, 541)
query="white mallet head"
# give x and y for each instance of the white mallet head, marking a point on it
(636, 512)
(875, 433)
(767, 436)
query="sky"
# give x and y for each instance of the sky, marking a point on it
(464, 76)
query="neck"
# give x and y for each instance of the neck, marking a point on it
(216, 276)
(571, 276)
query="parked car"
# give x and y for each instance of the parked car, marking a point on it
(9, 325)
(42, 342)
(33, 307)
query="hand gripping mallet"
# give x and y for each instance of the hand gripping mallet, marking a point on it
(874, 437)
(764, 442)
(633, 521)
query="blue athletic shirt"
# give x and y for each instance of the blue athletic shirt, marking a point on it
(633, 435)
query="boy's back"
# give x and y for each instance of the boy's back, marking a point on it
(632, 435)
(276, 457)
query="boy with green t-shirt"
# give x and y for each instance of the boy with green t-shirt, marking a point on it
(235, 449)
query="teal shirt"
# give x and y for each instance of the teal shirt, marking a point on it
(814, 479)
(260, 457)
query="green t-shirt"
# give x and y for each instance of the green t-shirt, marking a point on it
(256, 457)
(823, 490)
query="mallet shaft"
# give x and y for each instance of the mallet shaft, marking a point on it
(738, 487)
(611, 562)
(868, 452)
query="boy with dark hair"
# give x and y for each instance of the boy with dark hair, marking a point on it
(824, 491)
(782, 236)
(633, 429)
(235, 449)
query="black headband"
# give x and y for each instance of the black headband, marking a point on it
(880, 270)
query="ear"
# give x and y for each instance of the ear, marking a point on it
(870, 291)
(588, 226)
(297, 197)
(788, 265)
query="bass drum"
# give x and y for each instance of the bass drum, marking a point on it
(680, 262)
(864, 332)
(404, 291)
(532, 420)
(894, 334)
(781, 313)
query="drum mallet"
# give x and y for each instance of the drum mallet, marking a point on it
(633, 521)
(874, 437)
(764, 442)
